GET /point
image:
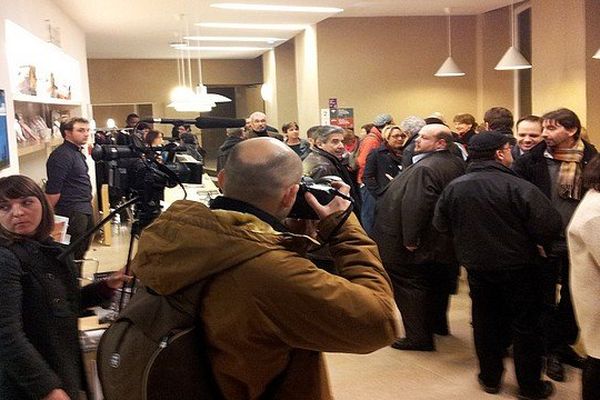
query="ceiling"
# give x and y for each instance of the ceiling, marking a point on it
(144, 28)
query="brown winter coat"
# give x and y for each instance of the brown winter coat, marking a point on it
(268, 312)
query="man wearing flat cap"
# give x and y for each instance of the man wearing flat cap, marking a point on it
(371, 142)
(499, 222)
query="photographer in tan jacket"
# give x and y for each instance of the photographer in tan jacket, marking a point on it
(268, 312)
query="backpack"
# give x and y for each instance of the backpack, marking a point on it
(155, 350)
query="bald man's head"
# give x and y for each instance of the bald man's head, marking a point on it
(260, 170)
(433, 137)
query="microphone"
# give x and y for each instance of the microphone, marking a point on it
(200, 122)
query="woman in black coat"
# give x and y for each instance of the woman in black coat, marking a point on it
(385, 162)
(40, 357)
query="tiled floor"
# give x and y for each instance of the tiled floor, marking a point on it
(449, 373)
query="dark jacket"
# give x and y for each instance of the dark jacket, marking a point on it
(225, 149)
(466, 138)
(405, 211)
(302, 148)
(409, 151)
(39, 341)
(533, 166)
(496, 218)
(320, 163)
(381, 164)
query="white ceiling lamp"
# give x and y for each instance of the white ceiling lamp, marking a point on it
(597, 55)
(268, 27)
(512, 59)
(234, 39)
(449, 67)
(222, 48)
(183, 97)
(277, 8)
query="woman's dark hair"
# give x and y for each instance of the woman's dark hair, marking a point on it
(466, 119)
(151, 136)
(591, 174)
(367, 127)
(18, 186)
(286, 127)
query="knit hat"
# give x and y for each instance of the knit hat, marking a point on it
(489, 141)
(382, 119)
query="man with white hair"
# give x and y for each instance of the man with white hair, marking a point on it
(257, 122)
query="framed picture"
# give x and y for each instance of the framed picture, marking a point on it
(4, 154)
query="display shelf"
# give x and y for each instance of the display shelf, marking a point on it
(45, 100)
(33, 147)
(28, 148)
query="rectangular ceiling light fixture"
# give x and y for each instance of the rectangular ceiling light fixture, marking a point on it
(277, 8)
(234, 39)
(272, 27)
(221, 48)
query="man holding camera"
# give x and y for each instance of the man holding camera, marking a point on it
(268, 312)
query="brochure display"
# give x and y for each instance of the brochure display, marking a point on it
(45, 86)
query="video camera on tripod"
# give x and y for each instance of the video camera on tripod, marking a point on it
(140, 171)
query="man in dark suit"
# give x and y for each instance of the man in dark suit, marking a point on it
(419, 260)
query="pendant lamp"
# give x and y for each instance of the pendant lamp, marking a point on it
(183, 97)
(597, 55)
(449, 67)
(512, 59)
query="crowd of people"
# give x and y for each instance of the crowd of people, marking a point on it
(417, 201)
(498, 203)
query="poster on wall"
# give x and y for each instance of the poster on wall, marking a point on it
(4, 155)
(342, 117)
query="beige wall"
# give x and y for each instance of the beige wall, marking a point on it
(592, 18)
(150, 81)
(387, 64)
(287, 100)
(495, 88)
(559, 59)
(308, 75)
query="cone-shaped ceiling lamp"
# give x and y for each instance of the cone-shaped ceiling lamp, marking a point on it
(597, 55)
(512, 59)
(449, 67)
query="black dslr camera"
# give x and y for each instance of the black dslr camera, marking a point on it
(322, 191)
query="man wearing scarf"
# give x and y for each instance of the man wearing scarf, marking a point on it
(556, 166)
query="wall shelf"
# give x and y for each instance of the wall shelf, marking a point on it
(45, 100)
(34, 147)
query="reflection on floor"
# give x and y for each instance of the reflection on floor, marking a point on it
(449, 373)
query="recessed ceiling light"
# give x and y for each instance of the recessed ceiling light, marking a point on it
(279, 8)
(222, 48)
(273, 27)
(234, 39)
